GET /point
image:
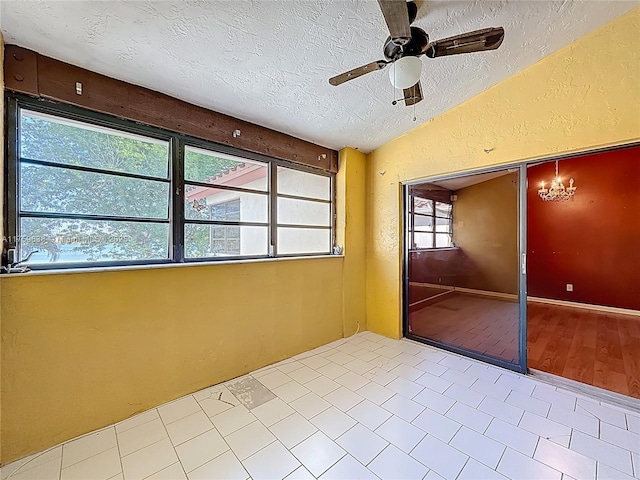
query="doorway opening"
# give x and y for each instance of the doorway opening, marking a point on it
(495, 271)
(584, 271)
(463, 274)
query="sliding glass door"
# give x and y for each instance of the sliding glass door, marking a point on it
(464, 265)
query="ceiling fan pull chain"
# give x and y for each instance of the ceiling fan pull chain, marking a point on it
(393, 89)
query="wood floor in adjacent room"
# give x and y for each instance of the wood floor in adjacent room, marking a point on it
(481, 324)
(588, 346)
(592, 347)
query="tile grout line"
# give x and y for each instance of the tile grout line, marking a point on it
(276, 439)
(465, 464)
(60, 469)
(168, 437)
(503, 454)
(221, 436)
(130, 418)
(119, 454)
(95, 454)
(385, 361)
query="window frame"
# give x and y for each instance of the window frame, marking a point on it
(177, 144)
(434, 217)
(276, 225)
(225, 228)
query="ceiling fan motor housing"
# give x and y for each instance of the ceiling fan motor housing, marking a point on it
(416, 46)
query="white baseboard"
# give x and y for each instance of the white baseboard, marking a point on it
(431, 285)
(487, 293)
(445, 292)
(484, 293)
(585, 306)
(511, 296)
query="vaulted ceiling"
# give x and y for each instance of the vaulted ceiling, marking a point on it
(269, 62)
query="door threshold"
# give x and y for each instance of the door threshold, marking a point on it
(597, 393)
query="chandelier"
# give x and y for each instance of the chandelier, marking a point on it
(557, 191)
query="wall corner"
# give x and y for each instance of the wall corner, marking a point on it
(350, 234)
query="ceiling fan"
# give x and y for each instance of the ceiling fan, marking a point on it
(406, 44)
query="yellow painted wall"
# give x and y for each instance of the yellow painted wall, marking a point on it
(1, 200)
(485, 227)
(350, 207)
(584, 96)
(83, 350)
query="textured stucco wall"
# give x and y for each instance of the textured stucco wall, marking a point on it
(350, 210)
(84, 350)
(485, 227)
(1, 202)
(584, 96)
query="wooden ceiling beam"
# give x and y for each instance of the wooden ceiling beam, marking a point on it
(28, 72)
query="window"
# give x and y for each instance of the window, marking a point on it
(225, 239)
(90, 194)
(303, 212)
(431, 219)
(89, 191)
(226, 205)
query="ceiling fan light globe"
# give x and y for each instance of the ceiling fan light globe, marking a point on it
(405, 72)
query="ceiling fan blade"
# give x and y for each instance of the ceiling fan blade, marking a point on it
(476, 41)
(358, 72)
(413, 95)
(396, 15)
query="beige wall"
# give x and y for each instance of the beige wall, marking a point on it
(584, 96)
(485, 227)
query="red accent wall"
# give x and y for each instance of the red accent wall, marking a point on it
(591, 241)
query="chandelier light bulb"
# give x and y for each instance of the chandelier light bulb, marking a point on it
(405, 72)
(557, 191)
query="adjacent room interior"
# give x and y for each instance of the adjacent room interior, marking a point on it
(582, 318)
(582, 272)
(463, 263)
(222, 256)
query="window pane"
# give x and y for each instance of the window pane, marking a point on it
(423, 223)
(59, 190)
(295, 182)
(303, 240)
(225, 211)
(443, 225)
(443, 209)
(422, 205)
(201, 241)
(59, 241)
(443, 240)
(422, 240)
(53, 139)
(301, 212)
(225, 205)
(220, 169)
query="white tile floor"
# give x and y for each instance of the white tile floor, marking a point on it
(365, 407)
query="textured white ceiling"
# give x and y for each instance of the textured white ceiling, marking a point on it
(269, 62)
(465, 181)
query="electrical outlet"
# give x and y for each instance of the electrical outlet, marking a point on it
(569, 287)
